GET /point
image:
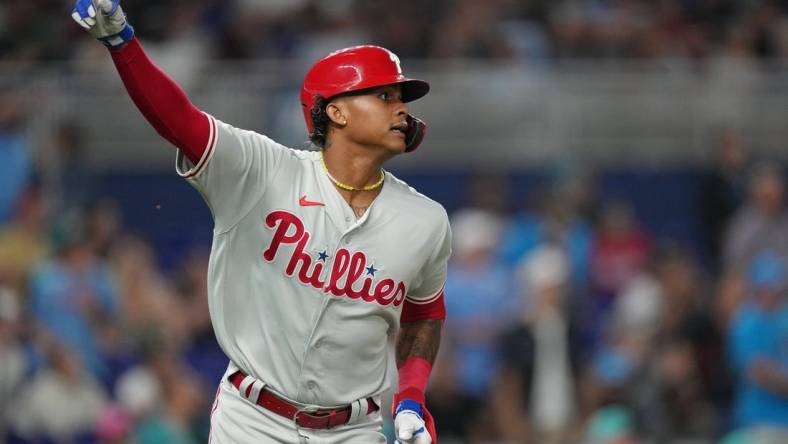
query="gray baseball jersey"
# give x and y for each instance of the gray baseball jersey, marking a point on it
(303, 295)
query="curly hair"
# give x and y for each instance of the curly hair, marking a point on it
(320, 121)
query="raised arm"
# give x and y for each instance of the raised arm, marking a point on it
(158, 97)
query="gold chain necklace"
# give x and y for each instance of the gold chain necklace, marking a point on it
(347, 187)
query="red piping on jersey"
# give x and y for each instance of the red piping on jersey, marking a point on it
(208, 150)
(433, 308)
(213, 410)
(430, 299)
(162, 101)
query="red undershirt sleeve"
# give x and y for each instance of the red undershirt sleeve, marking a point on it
(434, 308)
(162, 101)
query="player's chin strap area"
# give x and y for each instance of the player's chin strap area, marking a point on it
(308, 417)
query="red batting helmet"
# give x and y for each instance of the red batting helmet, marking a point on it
(357, 68)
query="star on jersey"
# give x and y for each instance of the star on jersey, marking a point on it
(371, 270)
(322, 256)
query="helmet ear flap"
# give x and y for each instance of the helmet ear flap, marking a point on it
(417, 129)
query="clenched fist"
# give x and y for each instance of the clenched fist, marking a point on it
(105, 20)
(409, 426)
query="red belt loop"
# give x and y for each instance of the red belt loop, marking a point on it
(317, 419)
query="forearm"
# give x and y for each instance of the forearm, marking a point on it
(162, 101)
(419, 339)
(416, 349)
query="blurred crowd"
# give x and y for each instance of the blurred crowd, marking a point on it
(568, 321)
(524, 30)
(97, 343)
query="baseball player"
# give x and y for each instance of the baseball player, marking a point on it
(318, 256)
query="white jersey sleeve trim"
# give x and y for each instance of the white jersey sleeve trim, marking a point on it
(429, 299)
(206, 155)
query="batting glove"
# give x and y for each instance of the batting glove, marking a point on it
(105, 20)
(409, 427)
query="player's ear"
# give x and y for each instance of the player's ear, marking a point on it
(337, 113)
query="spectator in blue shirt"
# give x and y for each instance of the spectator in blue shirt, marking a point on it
(73, 296)
(482, 299)
(758, 347)
(15, 160)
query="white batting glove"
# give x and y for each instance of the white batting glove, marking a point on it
(409, 425)
(105, 20)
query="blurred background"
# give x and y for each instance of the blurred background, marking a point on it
(614, 171)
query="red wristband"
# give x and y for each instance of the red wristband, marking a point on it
(413, 377)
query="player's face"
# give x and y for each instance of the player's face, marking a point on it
(378, 118)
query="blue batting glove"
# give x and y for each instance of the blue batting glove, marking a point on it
(105, 20)
(409, 425)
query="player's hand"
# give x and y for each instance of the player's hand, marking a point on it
(409, 427)
(105, 20)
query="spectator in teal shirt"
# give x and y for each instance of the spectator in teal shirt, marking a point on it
(758, 347)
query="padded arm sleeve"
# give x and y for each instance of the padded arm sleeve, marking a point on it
(162, 101)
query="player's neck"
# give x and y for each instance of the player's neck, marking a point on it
(354, 166)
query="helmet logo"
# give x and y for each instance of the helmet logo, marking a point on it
(395, 59)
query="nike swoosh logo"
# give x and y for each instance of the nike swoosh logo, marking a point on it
(309, 203)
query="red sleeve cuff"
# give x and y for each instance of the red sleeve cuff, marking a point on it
(416, 311)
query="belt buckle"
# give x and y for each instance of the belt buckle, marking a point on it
(316, 414)
(308, 410)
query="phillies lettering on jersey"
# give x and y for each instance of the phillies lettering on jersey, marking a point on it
(303, 295)
(346, 265)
